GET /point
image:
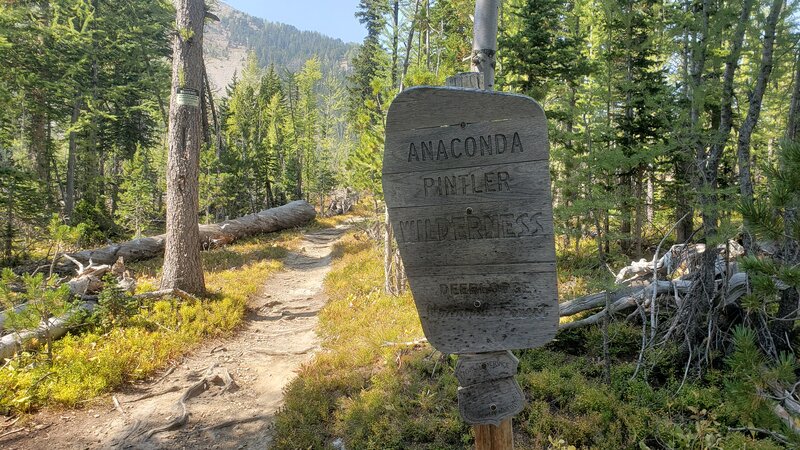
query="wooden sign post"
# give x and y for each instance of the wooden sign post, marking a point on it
(467, 186)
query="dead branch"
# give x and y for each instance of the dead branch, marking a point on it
(621, 300)
(588, 302)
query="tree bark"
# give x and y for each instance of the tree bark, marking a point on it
(726, 104)
(793, 125)
(69, 193)
(754, 111)
(8, 247)
(39, 146)
(182, 265)
(292, 215)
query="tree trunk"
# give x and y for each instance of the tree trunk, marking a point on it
(292, 215)
(53, 328)
(726, 103)
(793, 125)
(395, 39)
(409, 42)
(39, 148)
(182, 265)
(387, 255)
(428, 35)
(754, 111)
(9, 228)
(69, 193)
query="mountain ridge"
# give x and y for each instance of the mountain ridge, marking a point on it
(229, 41)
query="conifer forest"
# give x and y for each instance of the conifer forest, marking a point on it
(137, 231)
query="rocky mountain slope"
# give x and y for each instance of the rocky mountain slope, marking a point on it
(228, 42)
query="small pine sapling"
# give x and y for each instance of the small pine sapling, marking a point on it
(115, 307)
(43, 300)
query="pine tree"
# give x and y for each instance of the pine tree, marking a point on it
(138, 190)
(182, 266)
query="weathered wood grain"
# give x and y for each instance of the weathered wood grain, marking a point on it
(470, 80)
(485, 252)
(465, 144)
(521, 180)
(486, 312)
(494, 437)
(480, 367)
(413, 108)
(472, 222)
(467, 185)
(490, 402)
(450, 271)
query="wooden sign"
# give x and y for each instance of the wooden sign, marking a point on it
(488, 392)
(467, 183)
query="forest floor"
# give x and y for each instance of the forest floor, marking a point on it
(276, 338)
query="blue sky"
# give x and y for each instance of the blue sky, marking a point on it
(334, 18)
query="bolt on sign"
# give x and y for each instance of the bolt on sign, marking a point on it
(467, 183)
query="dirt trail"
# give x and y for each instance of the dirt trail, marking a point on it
(277, 337)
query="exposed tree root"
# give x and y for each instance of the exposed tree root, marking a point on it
(9, 433)
(211, 377)
(298, 353)
(234, 422)
(193, 391)
(156, 394)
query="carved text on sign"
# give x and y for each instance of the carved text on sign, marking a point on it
(467, 185)
(469, 147)
(463, 184)
(470, 227)
(465, 289)
(535, 312)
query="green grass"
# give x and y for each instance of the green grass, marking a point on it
(92, 361)
(378, 396)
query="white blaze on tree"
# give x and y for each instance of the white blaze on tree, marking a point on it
(182, 265)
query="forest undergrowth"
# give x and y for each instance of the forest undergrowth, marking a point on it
(125, 341)
(378, 385)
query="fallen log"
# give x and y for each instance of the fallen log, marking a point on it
(623, 299)
(4, 315)
(292, 215)
(57, 327)
(591, 301)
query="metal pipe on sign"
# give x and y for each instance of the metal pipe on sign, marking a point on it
(484, 59)
(484, 44)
